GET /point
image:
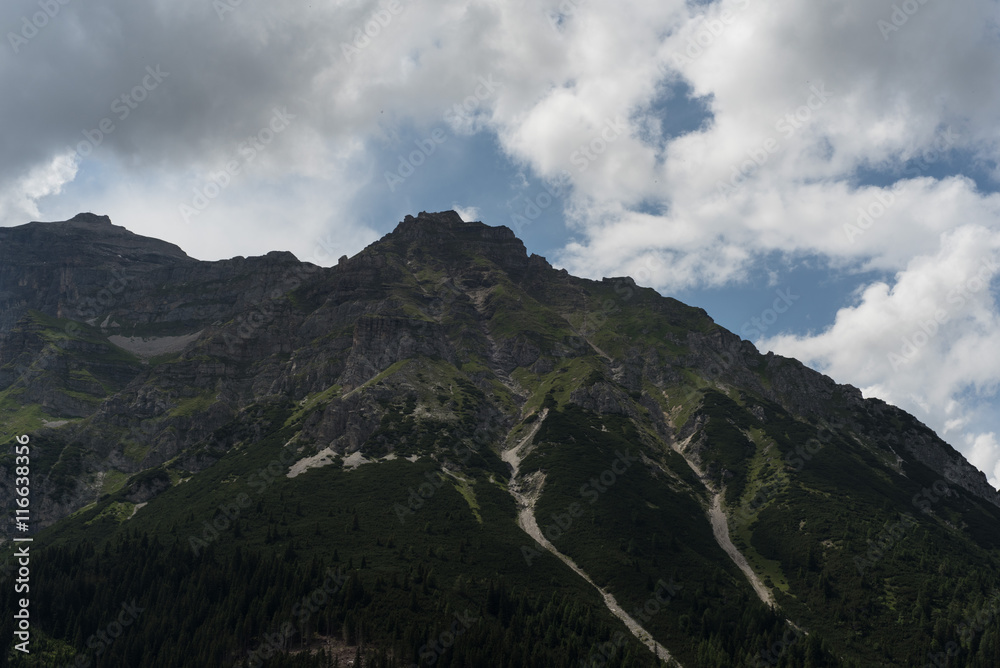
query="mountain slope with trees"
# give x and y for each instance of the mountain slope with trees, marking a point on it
(270, 462)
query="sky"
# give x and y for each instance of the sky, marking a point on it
(822, 177)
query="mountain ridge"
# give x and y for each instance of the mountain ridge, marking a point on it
(447, 233)
(444, 354)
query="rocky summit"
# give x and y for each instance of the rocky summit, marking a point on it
(443, 451)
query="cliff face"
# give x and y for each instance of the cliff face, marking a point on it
(77, 268)
(91, 271)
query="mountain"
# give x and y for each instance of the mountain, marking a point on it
(443, 451)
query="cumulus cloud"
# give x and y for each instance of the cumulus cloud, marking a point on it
(468, 214)
(802, 102)
(19, 198)
(983, 452)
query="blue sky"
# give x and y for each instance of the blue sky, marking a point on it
(836, 162)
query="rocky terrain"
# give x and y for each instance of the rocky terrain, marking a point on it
(136, 368)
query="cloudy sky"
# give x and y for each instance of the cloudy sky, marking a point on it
(821, 177)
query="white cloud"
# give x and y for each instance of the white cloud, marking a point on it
(252, 216)
(815, 93)
(19, 199)
(468, 214)
(983, 452)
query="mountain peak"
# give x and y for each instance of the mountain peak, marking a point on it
(90, 219)
(85, 240)
(446, 224)
(448, 237)
(449, 217)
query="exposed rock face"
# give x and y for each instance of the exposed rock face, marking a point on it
(154, 357)
(89, 270)
(806, 392)
(77, 268)
(381, 341)
(600, 398)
